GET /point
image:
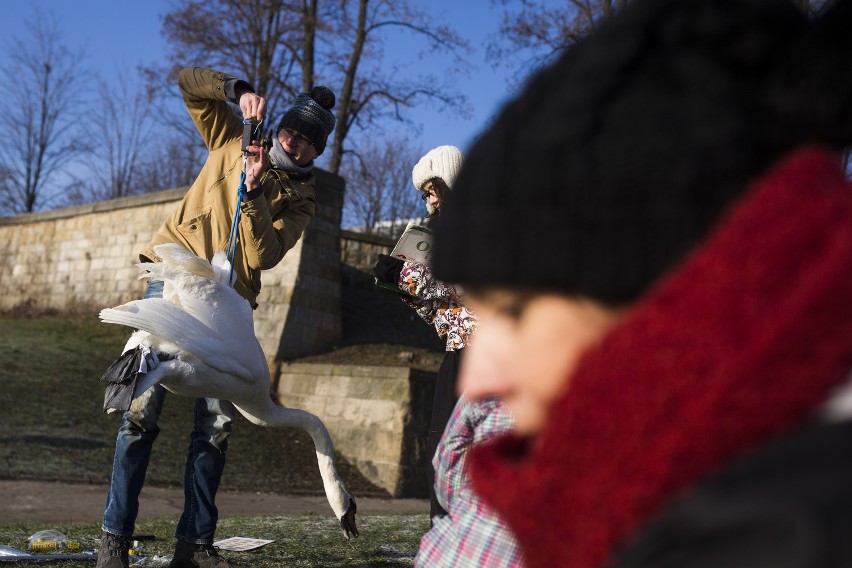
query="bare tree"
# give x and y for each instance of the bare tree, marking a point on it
(41, 135)
(262, 41)
(124, 122)
(177, 154)
(534, 32)
(369, 94)
(811, 7)
(380, 188)
(172, 162)
(282, 46)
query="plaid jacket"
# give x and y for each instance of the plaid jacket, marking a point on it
(471, 534)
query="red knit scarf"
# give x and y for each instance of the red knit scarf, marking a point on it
(736, 346)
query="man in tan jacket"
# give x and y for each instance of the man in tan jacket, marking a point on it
(278, 202)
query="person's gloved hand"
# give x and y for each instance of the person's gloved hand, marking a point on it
(388, 268)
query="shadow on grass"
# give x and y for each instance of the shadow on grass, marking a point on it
(57, 442)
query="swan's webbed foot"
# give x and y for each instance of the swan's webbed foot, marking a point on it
(347, 521)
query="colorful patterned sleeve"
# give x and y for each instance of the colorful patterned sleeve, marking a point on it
(456, 323)
(416, 280)
(425, 309)
(471, 534)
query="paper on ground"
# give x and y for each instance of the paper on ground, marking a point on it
(240, 543)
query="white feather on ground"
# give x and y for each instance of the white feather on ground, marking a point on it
(207, 326)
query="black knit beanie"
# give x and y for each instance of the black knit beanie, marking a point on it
(311, 116)
(615, 161)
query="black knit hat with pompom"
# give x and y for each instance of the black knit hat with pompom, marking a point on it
(616, 160)
(311, 116)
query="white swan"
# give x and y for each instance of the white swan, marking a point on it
(207, 327)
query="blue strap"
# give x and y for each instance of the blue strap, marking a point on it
(235, 226)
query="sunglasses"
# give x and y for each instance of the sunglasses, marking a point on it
(297, 139)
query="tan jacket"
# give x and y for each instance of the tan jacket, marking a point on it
(269, 225)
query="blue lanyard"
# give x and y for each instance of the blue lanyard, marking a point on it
(235, 224)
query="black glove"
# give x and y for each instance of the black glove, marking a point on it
(388, 268)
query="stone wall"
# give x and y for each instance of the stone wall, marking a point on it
(300, 311)
(360, 250)
(78, 257)
(83, 258)
(378, 417)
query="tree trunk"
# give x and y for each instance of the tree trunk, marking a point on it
(309, 32)
(344, 101)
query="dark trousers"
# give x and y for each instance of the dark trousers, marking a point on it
(442, 408)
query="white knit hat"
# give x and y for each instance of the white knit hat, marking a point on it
(443, 162)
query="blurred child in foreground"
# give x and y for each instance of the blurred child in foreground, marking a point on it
(672, 327)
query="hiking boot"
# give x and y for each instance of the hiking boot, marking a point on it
(191, 555)
(113, 551)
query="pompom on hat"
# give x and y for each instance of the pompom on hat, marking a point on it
(443, 162)
(311, 115)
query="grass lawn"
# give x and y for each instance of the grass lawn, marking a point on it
(306, 540)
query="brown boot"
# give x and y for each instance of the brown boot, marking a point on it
(113, 551)
(191, 555)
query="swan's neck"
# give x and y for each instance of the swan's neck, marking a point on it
(270, 414)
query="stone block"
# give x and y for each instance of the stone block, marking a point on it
(387, 388)
(333, 386)
(379, 424)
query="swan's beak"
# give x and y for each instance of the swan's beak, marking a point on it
(347, 521)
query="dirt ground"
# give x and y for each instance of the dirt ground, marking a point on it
(54, 502)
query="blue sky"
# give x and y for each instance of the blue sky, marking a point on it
(124, 33)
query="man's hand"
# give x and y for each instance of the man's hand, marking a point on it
(253, 106)
(255, 165)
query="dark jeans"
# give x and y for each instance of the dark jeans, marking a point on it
(205, 461)
(442, 408)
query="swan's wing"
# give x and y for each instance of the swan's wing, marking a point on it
(178, 268)
(169, 322)
(168, 274)
(201, 289)
(216, 305)
(173, 254)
